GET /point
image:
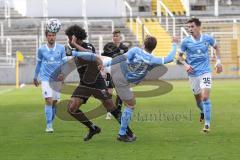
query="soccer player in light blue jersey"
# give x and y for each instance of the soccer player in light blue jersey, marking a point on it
(198, 67)
(132, 67)
(49, 59)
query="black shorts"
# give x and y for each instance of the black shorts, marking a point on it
(109, 82)
(84, 92)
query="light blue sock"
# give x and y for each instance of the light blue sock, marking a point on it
(200, 106)
(207, 111)
(49, 115)
(125, 119)
(53, 112)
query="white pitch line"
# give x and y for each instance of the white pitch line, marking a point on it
(6, 90)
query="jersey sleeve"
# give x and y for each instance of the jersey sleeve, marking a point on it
(63, 56)
(39, 55)
(212, 41)
(115, 60)
(183, 47)
(130, 54)
(89, 56)
(63, 53)
(39, 62)
(163, 60)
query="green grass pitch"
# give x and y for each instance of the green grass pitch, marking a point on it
(173, 134)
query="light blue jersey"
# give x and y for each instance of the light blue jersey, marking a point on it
(136, 63)
(49, 61)
(197, 53)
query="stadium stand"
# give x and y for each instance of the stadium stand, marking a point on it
(226, 33)
(26, 32)
(206, 7)
(175, 6)
(140, 7)
(153, 27)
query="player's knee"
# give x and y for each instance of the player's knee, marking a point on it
(72, 106)
(110, 95)
(205, 97)
(110, 91)
(109, 105)
(54, 102)
(129, 106)
(49, 101)
(199, 103)
(72, 109)
(133, 102)
(130, 103)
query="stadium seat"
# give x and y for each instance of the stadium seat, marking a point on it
(175, 6)
(155, 29)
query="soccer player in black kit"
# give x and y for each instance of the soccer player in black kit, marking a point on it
(113, 49)
(88, 86)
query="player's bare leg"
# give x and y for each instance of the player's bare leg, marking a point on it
(198, 99)
(73, 109)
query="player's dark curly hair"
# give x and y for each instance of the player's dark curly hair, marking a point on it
(77, 31)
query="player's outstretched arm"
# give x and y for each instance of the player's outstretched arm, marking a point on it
(164, 60)
(169, 58)
(115, 60)
(120, 58)
(171, 55)
(89, 56)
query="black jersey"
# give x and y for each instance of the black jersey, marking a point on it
(111, 50)
(88, 71)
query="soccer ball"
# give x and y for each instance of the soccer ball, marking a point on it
(53, 25)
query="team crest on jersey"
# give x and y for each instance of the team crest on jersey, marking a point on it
(90, 47)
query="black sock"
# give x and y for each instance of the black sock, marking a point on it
(118, 103)
(117, 115)
(81, 117)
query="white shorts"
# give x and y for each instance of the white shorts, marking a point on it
(200, 82)
(51, 91)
